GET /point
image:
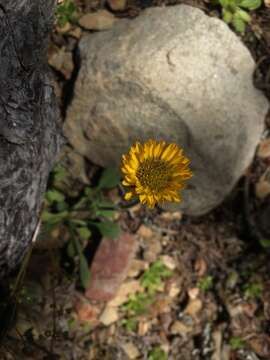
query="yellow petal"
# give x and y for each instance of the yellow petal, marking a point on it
(128, 195)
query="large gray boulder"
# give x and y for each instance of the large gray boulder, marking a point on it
(174, 74)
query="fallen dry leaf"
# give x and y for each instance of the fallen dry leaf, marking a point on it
(200, 266)
(160, 306)
(193, 307)
(179, 328)
(152, 250)
(169, 216)
(131, 350)
(173, 288)
(109, 315)
(193, 293)
(136, 267)
(86, 312)
(126, 289)
(75, 32)
(143, 327)
(264, 147)
(262, 188)
(261, 345)
(145, 232)
(168, 261)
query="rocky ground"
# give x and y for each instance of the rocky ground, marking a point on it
(168, 286)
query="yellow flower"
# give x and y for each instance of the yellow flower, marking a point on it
(155, 171)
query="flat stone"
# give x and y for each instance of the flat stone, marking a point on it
(110, 266)
(176, 74)
(100, 20)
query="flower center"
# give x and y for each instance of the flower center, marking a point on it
(154, 173)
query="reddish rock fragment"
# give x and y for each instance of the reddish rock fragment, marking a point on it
(110, 266)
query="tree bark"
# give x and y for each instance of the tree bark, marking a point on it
(30, 135)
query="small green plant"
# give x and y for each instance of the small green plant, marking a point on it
(138, 304)
(65, 12)
(206, 283)
(253, 290)
(81, 214)
(237, 343)
(157, 354)
(130, 324)
(152, 278)
(236, 12)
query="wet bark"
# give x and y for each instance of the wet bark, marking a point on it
(29, 132)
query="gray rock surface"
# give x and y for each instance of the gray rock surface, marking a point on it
(174, 74)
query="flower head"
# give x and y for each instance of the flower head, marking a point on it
(155, 171)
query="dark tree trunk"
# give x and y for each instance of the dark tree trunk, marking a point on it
(29, 131)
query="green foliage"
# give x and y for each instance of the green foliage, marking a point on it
(265, 243)
(138, 304)
(253, 290)
(237, 343)
(206, 283)
(236, 12)
(109, 178)
(157, 354)
(81, 214)
(65, 12)
(130, 324)
(108, 229)
(152, 278)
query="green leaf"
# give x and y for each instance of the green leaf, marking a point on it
(239, 24)
(83, 264)
(224, 3)
(110, 178)
(62, 206)
(157, 354)
(227, 16)
(243, 15)
(54, 196)
(84, 271)
(250, 4)
(237, 343)
(265, 243)
(106, 204)
(105, 213)
(152, 278)
(59, 173)
(88, 191)
(108, 229)
(54, 218)
(80, 203)
(71, 249)
(65, 12)
(78, 222)
(84, 233)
